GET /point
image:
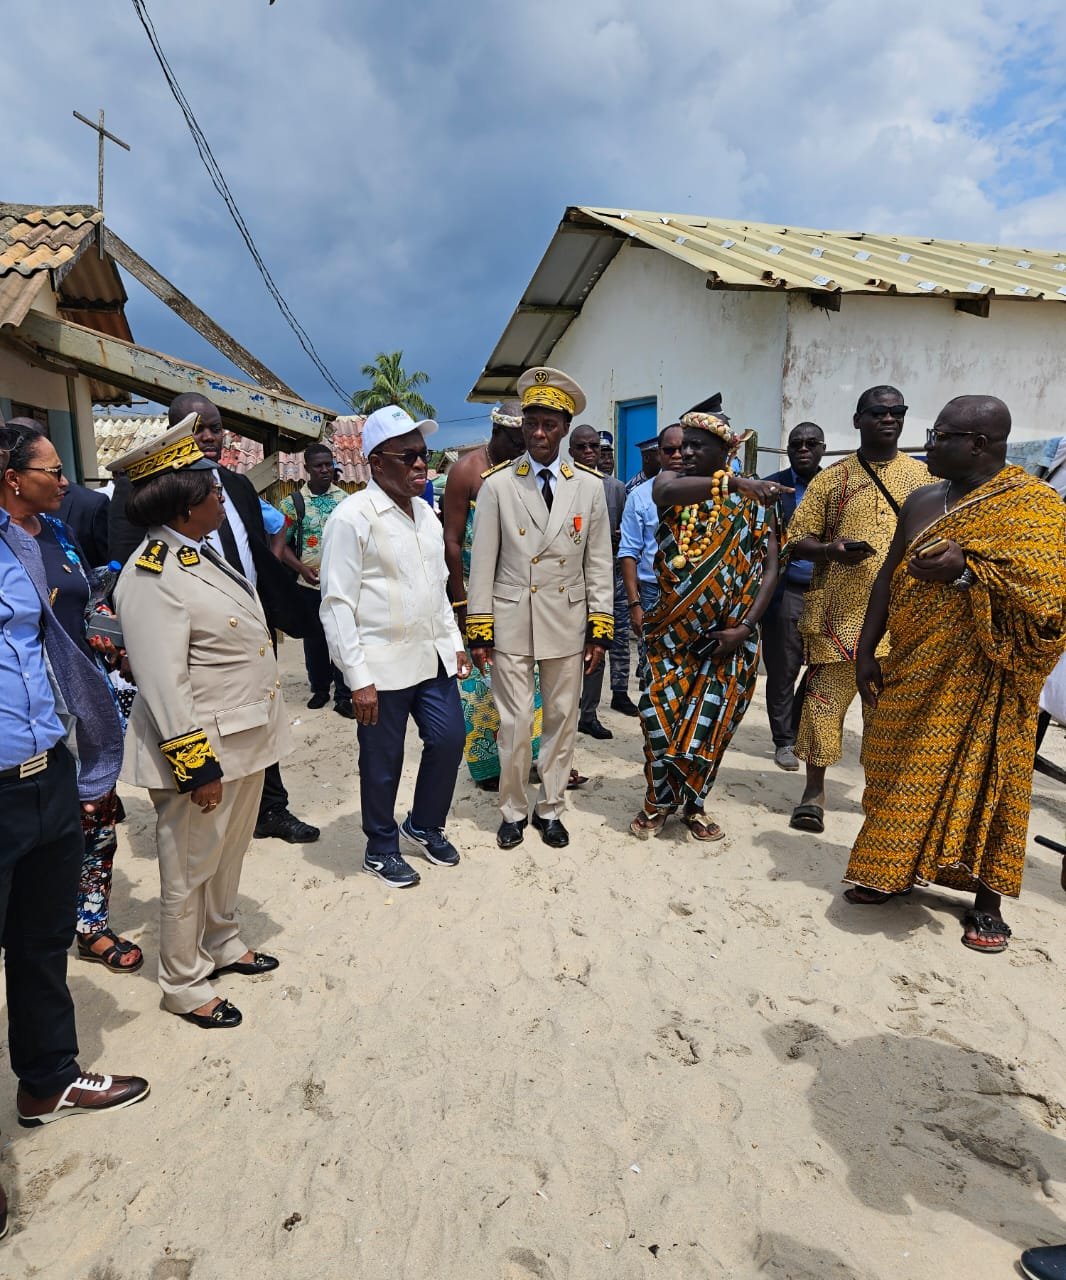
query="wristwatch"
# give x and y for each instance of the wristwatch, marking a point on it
(964, 581)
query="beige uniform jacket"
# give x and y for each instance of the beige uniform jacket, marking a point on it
(209, 700)
(541, 583)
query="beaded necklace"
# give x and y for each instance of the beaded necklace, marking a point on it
(694, 537)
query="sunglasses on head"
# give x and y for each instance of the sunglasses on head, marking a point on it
(897, 411)
(407, 456)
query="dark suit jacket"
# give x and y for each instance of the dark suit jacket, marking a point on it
(85, 510)
(276, 587)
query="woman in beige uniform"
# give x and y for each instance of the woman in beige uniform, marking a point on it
(207, 720)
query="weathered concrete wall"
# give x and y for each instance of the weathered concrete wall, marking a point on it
(931, 352)
(651, 328)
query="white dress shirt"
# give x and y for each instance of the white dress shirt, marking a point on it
(385, 607)
(240, 537)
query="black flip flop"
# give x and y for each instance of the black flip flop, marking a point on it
(808, 817)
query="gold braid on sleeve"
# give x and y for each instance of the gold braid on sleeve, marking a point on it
(192, 760)
(479, 628)
(600, 629)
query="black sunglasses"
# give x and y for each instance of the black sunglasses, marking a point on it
(933, 436)
(671, 450)
(408, 457)
(897, 411)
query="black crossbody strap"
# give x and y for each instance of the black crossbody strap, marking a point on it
(877, 481)
(300, 508)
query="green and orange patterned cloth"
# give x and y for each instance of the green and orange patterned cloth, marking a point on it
(692, 706)
(318, 507)
(948, 751)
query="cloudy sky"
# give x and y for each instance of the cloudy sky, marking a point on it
(402, 167)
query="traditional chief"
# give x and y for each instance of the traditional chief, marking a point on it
(541, 590)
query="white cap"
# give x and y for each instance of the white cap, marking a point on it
(390, 422)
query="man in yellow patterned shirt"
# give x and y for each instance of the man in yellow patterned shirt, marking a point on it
(845, 524)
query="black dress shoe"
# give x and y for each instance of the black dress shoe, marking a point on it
(260, 963)
(224, 1014)
(317, 700)
(594, 729)
(552, 831)
(344, 709)
(283, 825)
(623, 703)
(510, 834)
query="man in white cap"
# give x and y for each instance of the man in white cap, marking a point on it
(540, 591)
(392, 632)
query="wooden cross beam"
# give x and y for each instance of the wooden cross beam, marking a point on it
(103, 133)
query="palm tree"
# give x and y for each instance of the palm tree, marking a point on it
(389, 384)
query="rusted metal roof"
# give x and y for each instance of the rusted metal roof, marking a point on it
(759, 256)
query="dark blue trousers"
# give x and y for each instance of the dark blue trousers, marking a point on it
(435, 708)
(40, 869)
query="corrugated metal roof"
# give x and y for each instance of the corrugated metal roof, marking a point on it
(754, 255)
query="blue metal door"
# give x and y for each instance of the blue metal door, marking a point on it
(636, 420)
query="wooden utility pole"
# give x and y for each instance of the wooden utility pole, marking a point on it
(103, 133)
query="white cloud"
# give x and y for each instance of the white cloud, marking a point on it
(402, 170)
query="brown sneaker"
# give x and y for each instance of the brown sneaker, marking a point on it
(90, 1092)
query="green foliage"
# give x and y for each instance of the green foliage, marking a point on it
(390, 384)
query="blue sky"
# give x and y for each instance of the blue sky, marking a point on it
(402, 168)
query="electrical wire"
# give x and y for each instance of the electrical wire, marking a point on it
(218, 180)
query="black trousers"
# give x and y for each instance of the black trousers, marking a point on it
(40, 869)
(321, 673)
(274, 794)
(782, 653)
(435, 708)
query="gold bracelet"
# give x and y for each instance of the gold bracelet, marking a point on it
(458, 604)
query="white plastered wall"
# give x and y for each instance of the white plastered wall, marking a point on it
(931, 352)
(651, 328)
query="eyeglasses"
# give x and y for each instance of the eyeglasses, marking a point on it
(408, 457)
(671, 450)
(933, 436)
(806, 442)
(897, 411)
(54, 472)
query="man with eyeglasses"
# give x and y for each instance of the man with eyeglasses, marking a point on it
(782, 646)
(541, 593)
(973, 593)
(845, 525)
(392, 632)
(637, 542)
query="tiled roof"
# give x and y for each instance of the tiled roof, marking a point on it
(34, 241)
(118, 436)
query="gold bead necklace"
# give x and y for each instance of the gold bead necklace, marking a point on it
(694, 541)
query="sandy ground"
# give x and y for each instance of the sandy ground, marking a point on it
(621, 1059)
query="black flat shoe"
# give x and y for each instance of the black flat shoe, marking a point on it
(594, 729)
(260, 963)
(317, 700)
(510, 834)
(552, 831)
(344, 709)
(624, 704)
(224, 1014)
(283, 825)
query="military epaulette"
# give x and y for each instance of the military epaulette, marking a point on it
(565, 472)
(492, 470)
(581, 467)
(152, 557)
(188, 556)
(191, 759)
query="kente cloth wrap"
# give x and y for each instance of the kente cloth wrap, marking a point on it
(192, 760)
(479, 710)
(691, 707)
(843, 502)
(548, 398)
(948, 751)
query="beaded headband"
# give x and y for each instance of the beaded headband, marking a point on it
(501, 419)
(710, 422)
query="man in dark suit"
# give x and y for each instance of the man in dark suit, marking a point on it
(782, 644)
(242, 541)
